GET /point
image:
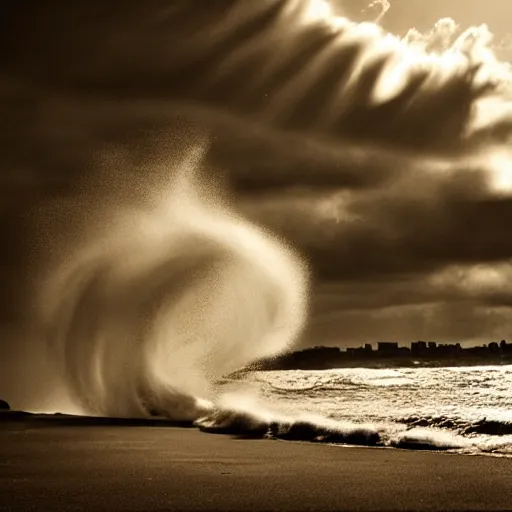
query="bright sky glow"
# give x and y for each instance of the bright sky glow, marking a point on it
(475, 279)
(318, 10)
(500, 166)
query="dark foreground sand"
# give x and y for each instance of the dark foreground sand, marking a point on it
(71, 466)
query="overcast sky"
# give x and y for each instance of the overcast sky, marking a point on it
(399, 253)
(398, 249)
(439, 274)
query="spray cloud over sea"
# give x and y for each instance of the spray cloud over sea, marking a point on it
(167, 295)
(156, 286)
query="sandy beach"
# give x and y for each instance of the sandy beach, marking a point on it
(59, 465)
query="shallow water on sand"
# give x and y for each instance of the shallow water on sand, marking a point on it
(467, 409)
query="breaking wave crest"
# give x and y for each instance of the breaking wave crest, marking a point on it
(240, 422)
(254, 423)
(155, 306)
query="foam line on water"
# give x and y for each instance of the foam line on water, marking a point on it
(253, 421)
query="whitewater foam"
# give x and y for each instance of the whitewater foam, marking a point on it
(242, 421)
(416, 410)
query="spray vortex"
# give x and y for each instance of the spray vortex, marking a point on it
(156, 306)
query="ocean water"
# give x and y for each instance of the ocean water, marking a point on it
(460, 409)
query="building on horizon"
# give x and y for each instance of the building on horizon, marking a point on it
(387, 346)
(418, 348)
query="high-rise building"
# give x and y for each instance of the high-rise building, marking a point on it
(418, 347)
(387, 346)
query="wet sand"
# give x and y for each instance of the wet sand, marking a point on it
(65, 465)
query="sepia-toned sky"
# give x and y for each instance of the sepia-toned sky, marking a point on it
(395, 253)
(436, 277)
(466, 295)
(425, 257)
(403, 15)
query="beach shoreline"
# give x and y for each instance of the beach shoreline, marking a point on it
(51, 465)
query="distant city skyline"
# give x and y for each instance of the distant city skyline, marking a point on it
(463, 344)
(390, 353)
(413, 346)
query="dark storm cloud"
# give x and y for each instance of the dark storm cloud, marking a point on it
(417, 224)
(369, 192)
(399, 263)
(482, 285)
(262, 165)
(226, 63)
(403, 237)
(441, 321)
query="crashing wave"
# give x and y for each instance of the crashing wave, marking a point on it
(150, 311)
(306, 428)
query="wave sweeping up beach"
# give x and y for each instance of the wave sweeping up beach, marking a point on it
(412, 408)
(147, 283)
